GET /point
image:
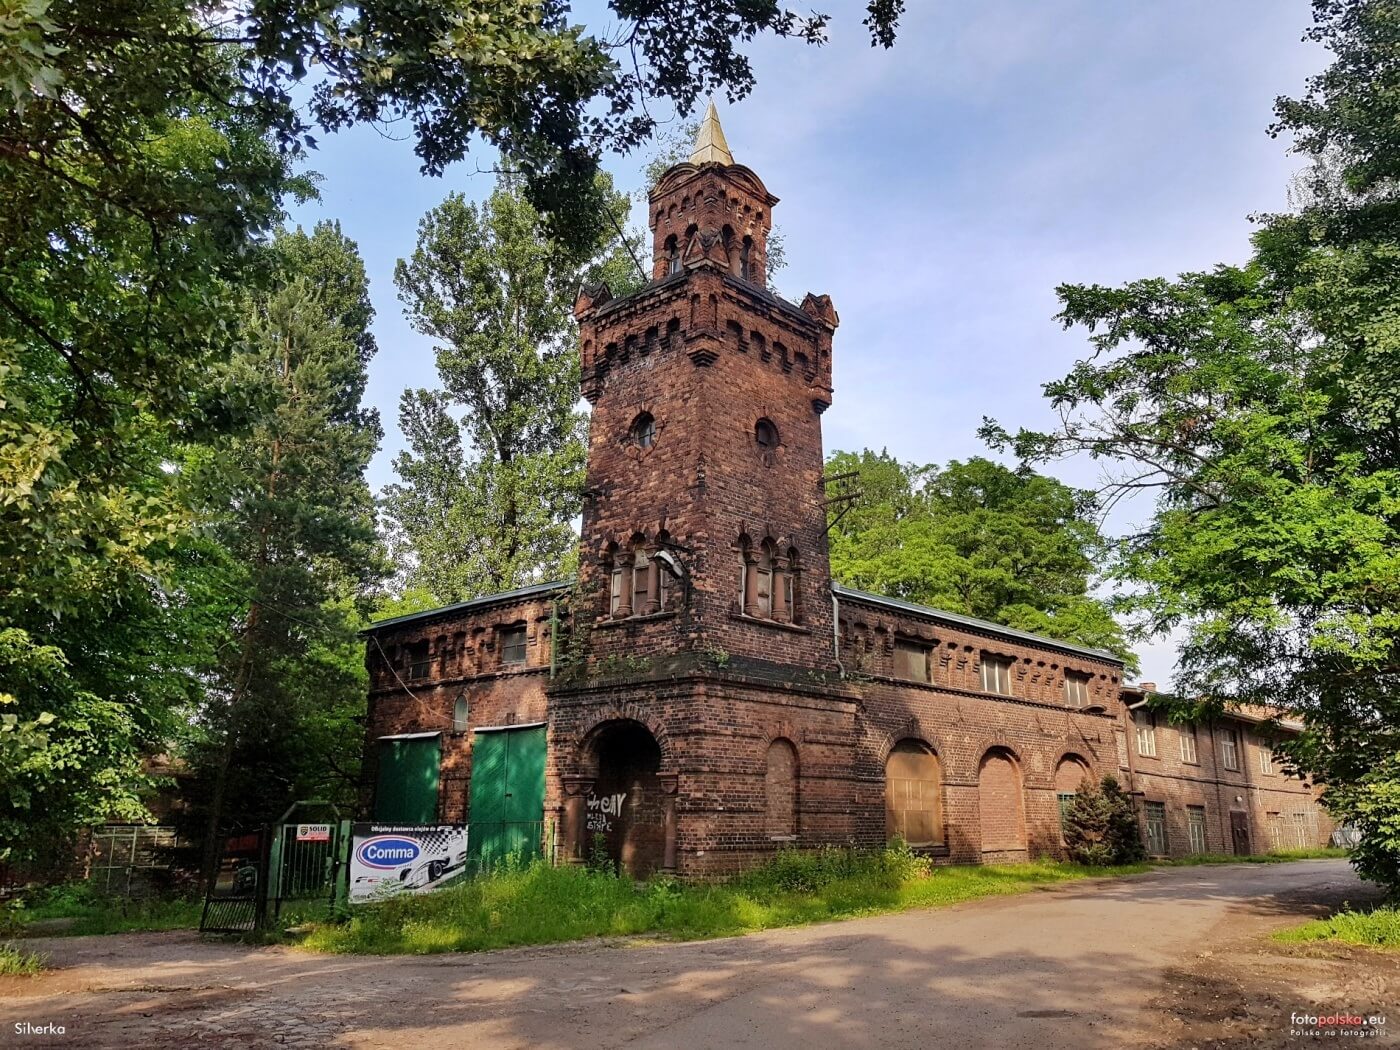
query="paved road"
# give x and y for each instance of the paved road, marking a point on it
(1075, 966)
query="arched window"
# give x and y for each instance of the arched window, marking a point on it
(780, 790)
(914, 795)
(746, 259)
(642, 569)
(1069, 774)
(461, 714)
(673, 255)
(766, 434)
(763, 582)
(642, 432)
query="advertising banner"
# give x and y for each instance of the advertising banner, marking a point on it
(387, 859)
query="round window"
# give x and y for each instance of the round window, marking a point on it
(643, 432)
(766, 434)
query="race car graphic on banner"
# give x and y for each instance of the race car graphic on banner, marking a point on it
(387, 859)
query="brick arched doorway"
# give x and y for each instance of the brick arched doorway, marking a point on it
(625, 805)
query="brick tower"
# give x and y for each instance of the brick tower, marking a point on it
(704, 596)
(704, 523)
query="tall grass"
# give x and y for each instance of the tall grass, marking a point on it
(93, 913)
(15, 961)
(539, 904)
(1379, 928)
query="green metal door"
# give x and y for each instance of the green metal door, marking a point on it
(507, 794)
(407, 788)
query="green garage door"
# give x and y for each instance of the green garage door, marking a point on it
(406, 791)
(507, 794)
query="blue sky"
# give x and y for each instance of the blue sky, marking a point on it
(940, 191)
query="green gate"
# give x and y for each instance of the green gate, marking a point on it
(507, 795)
(306, 861)
(406, 789)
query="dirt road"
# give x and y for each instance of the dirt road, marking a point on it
(1110, 963)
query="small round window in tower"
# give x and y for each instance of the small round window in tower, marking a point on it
(766, 434)
(643, 432)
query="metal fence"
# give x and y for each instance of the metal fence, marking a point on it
(130, 860)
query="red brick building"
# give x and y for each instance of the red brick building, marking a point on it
(704, 693)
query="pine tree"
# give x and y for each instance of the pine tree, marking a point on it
(292, 521)
(1101, 826)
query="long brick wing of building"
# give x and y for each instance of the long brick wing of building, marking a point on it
(704, 693)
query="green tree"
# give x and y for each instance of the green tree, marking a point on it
(493, 474)
(977, 538)
(286, 501)
(518, 75)
(1101, 826)
(1260, 403)
(128, 231)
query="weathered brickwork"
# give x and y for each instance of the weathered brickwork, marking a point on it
(710, 695)
(1253, 807)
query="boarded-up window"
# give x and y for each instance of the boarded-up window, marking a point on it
(914, 795)
(780, 790)
(996, 674)
(1001, 808)
(911, 660)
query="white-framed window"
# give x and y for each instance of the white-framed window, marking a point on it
(1156, 822)
(996, 674)
(1188, 744)
(1196, 828)
(1230, 749)
(1145, 722)
(1076, 689)
(1266, 759)
(461, 714)
(911, 660)
(641, 570)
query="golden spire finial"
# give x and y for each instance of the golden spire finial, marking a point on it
(710, 147)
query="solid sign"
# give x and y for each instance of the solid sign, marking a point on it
(313, 832)
(388, 859)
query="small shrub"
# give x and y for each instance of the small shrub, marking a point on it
(1101, 825)
(15, 961)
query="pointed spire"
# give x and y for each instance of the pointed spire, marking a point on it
(710, 147)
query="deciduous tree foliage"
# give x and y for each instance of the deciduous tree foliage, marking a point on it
(1261, 404)
(491, 480)
(520, 75)
(1010, 546)
(126, 233)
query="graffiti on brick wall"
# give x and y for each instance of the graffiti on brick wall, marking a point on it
(603, 810)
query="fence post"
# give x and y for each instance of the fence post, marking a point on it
(272, 891)
(341, 893)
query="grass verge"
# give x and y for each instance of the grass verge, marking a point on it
(539, 904)
(92, 913)
(15, 961)
(1376, 928)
